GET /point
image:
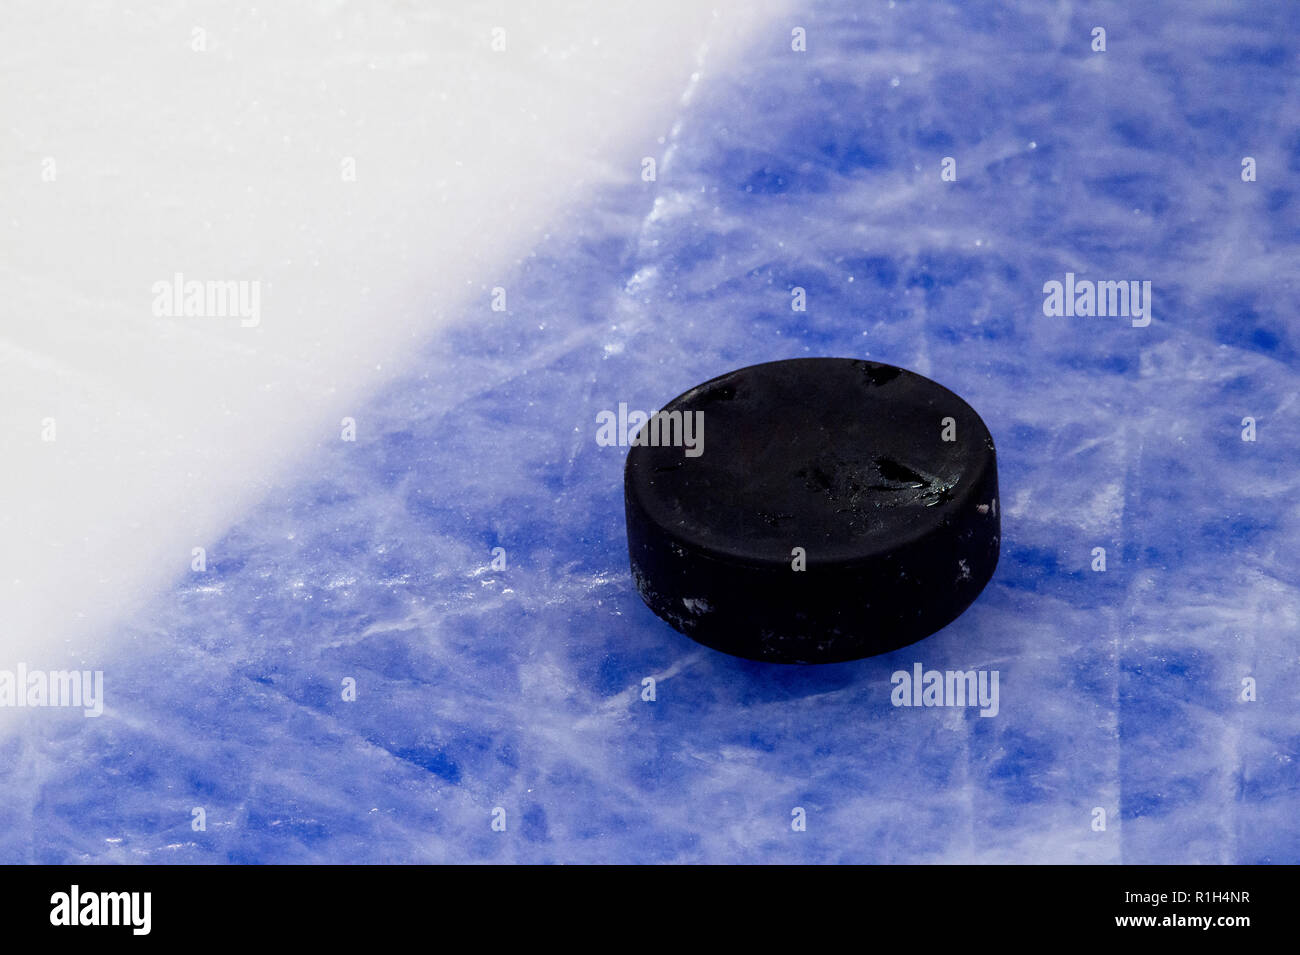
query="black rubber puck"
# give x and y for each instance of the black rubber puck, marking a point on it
(812, 510)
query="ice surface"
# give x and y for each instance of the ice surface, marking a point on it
(522, 688)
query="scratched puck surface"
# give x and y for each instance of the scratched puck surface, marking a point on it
(813, 510)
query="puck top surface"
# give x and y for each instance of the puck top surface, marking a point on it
(843, 457)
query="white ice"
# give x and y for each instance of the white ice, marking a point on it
(145, 140)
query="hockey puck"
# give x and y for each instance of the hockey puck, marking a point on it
(813, 510)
